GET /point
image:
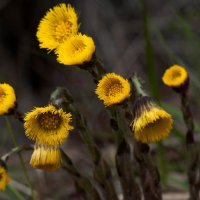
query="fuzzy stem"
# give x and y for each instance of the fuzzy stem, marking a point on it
(117, 122)
(101, 171)
(149, 173)
(80, 180)
(12, 135)
(191, 147)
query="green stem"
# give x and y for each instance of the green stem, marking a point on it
(11, 133)
(138, 85)
(161, 161)
(15, 193)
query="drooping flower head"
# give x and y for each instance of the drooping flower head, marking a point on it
(151, 123)
(47, 125)
(46, 157)
(4, 177)
(57, 26)
(176, 77)
(113, 89)
(77, 50)
(7, 98)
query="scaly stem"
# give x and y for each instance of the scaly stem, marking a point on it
(149, 174)
(161, 161)
(10, 131)
(191, 147)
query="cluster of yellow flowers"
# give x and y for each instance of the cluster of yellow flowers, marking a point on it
(49, 126)
(58, 31)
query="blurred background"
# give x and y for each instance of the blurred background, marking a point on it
(144, 37)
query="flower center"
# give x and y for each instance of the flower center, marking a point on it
(1, 176)
(49, 121)
(62, 31)
(115, 89)
(175, 74)
(2, 95)
(78, 45)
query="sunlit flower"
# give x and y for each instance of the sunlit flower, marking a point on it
(57, 26)
(46, 157)
(47, 125)
(151, 123)
(7, 98)
(175, 77)
(113, 89)
(77, 50)
(4, 178)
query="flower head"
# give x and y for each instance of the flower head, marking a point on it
(113, 89)
(77, 50)
(46, 157)
(7, 98)
(4, 178)
(57, 26)
(47, 125)
(151, 123)
(176, 77)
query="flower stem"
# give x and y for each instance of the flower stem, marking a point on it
(15, 193)
(11, 133)
(161, 161)
(137, 85)
(149, 174)
(191, 147)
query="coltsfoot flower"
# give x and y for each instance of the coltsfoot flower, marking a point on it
(176, 77)
(4, 177)
(113, 89)
(7, 98)
(57, 26)
(77, 50)
(46, 157)
(47, 125)
(151, 123)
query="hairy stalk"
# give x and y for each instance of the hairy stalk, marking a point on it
(125, 170)
(149, 174)
(191, 147)
(82, 183)
(154, 87)
(12, 135)
(102, 173)
(117, 122)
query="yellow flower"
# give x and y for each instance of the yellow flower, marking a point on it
(4, 178)
(151, 123)
(47, 125)
(7, 98)
(57, 26)
(46, 157)
(77, 50)
(113, 89)
(175, 76)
